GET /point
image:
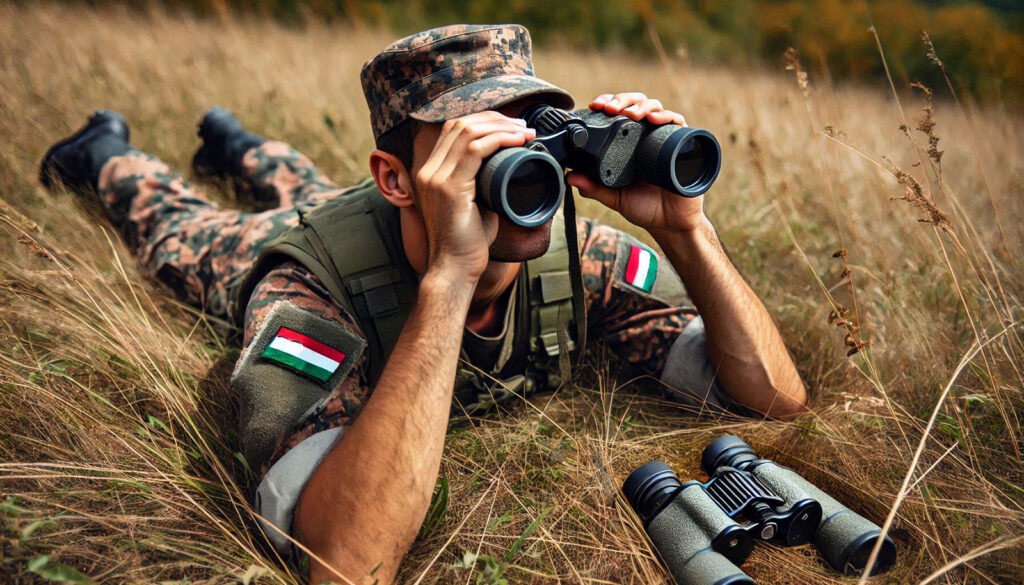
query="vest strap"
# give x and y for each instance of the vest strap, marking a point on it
(353, 245)
(552, 294)
(579, 300)
(359, 243)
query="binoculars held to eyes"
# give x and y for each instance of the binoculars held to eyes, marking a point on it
(694, 526)
(525, 184)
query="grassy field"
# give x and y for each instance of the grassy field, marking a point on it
(118, 458)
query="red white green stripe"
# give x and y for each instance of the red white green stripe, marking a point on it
(303, 353)
(642, 268)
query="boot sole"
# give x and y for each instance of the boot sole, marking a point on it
(202, 167)
(205, 164)
(48, 169)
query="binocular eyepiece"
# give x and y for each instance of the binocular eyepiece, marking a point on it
(693, 524)
(525, 184)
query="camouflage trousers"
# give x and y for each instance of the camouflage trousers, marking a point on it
(200, 250)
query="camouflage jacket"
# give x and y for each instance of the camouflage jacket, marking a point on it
(626, 316)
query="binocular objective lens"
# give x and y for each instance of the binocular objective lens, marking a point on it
(530, 187)
(682, 160)
(690, 163)
(649, 486)
(727, 450)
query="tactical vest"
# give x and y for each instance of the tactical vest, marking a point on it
(352, 243)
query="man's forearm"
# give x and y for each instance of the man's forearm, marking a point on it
(376, 484)
(743, 343)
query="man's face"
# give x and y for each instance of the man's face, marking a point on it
(513, 243)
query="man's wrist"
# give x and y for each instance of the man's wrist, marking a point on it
(447, 281)
(687, 244)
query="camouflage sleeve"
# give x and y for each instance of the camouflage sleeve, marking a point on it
(639, 313)
(292, 283)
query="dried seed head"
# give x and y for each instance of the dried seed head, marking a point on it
(792, 59)
(930, 49)
(926, 124)
(34, 248)
(17, 219)
(832, 132)
(914, 194)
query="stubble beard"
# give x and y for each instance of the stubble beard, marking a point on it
(515, 243)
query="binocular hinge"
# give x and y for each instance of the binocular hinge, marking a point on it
(736, 490)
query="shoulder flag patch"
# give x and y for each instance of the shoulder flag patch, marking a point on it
(642, 268)
(303, 353)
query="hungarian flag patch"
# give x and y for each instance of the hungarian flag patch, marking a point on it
(642, 268)
(303, 353)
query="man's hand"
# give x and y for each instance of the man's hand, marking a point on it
(458, 231)
(752, 363)
(644, 205)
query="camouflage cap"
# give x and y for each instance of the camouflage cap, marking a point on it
(452, 71)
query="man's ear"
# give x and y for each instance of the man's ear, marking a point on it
(392, 178)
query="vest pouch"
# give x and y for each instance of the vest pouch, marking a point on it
(353, 244)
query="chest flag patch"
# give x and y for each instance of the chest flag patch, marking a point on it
(303, 353)
(642, 268)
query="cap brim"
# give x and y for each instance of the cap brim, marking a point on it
(489, 94)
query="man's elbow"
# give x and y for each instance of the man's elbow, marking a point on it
(778, 395)
(782, 401)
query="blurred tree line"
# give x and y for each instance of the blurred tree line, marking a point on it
(981, 43)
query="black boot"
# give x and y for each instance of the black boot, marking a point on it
(76, 161)
(224, 144)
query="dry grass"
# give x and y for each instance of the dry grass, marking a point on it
(116, 450)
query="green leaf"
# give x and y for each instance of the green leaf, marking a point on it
(438, 506)
(54, 571)
(975, 400)
(498, 522)
(949, 427)
(9, 507)
(245, 463)
(492, 569)
(518, 544)
(27, 531)
(102, 400)
(155, 422)
(57, 366)
(468, 561)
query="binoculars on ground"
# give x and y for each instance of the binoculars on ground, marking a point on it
(525, 184)
(694, 526)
